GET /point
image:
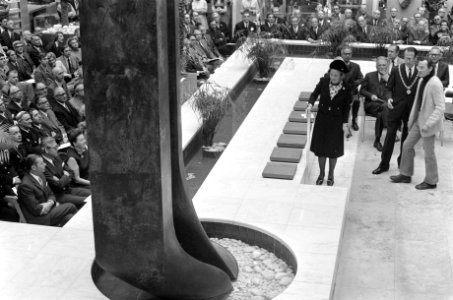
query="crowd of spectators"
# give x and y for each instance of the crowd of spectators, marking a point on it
(207, 32)
(43, 157)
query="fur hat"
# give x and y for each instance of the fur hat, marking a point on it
(340, 65)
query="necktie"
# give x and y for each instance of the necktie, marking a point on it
(70, 66)
(40, 181)
(410, 73)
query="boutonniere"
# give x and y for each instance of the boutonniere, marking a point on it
(251, 29)
(343, 88)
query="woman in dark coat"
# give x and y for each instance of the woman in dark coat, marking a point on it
(332, 118)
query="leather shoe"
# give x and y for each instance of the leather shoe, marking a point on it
(378, 145)
(380, 170)
(400, 179)
(425, 186)
(354, 125)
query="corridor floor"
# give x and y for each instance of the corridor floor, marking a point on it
(398, 241)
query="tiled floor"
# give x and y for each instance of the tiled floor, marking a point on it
(398, 241)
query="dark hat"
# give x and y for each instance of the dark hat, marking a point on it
(340, 65)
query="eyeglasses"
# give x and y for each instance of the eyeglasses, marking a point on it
(43, 102)
(60, 95)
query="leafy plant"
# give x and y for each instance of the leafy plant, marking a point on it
(210, 102)
(262, 51)
(336, 36)
(381, 36)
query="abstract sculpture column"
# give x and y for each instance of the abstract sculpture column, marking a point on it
(131, 82)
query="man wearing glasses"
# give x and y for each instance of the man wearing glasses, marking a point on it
(440, 68)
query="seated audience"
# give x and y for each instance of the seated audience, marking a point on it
(66, 114)
(57, 45)
(193, 62)
(14, 64)
(49, 119)
(78, 158)
(315, 31)
(68, 62)
(78, 101)
(336, 16)
(222, 26)
(433, 29)
(16, 98)
(187, 26)
(207, 43)
(58, 81)
(43, 73)
(6, 118)
(296, 31)
(8, 36)
(35, 50)
(270, 27)
(31, 138)
(73, 44)
(38, 126)
(60, 176)
(374, 90)
(393, 17)
(363, 31)
(442, 36)
(243, 28)
(218, 38)
(18, 152)
(23, 58)
(37, 200)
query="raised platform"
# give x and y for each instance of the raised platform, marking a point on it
(40, 262)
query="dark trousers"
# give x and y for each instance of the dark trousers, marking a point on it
(380, 112)
(389, 143)
(58, 215)
(355, 107)
(75, 196)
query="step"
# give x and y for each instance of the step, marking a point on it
(292, 141)
(286, 155)
(302, 106)
(301, 117)
(280, 170)
(295, 128)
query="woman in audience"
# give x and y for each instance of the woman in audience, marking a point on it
(73, 43)
(78, 158)
(58, 45)
(332, 119)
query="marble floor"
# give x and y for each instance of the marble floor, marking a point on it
(398, 241)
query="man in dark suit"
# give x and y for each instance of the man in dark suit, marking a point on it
(376, 21)
(17, 153)
(59, 175)
(401, 88)
(440, 68)
(16, 100)
(187, 26)
(69, 62)
(270, 26)
(243, 28)
(315, 31)
(8, 36)
(363, 30)
(31, 138)
(35, 49)
(222, 26)
(6, 117)
(36, 199)
(354, 77)
(374, 89)
(66, 114)
(296, 31)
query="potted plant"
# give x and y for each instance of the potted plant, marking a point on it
(211, 102)
(381, 36)
(334, 37)
(262, 52)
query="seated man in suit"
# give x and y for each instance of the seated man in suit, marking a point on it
(68, 62)
(6, 117)
(31, 138)
(60, 177)
(296, 31)
(8, 36)
(66, 114)
(43, 73)
(440, 68)
(243, 28)
(374, 90)
(270, 27)
(35, 49)
(363, 31)
(17, 153)
(49, 119)
(315, 31)
(36, 199)
(16, 100)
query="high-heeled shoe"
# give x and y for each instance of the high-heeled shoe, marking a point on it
(330, 181)
(320, 180)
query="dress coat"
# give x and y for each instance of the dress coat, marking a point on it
(402, 102)
(328, 138)
(432, 109)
